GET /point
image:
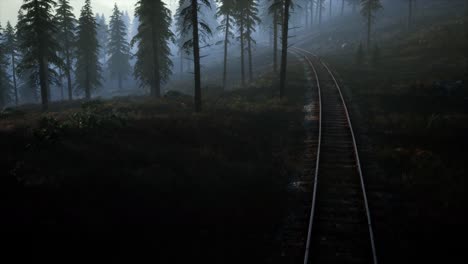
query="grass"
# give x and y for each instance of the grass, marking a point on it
(137, 178)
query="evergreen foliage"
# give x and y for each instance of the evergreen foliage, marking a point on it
(368, 10)
(39, 46)
(153, 66)
(10, 50)
(88, 67)
(226, 11)
(102, 36)
(66, 36)
(27, 86)
(247, 19)
(5, 84)
(118, 48)
(200, 32)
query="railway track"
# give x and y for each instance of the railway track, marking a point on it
(338, 221)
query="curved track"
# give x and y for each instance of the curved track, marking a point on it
(339, 226)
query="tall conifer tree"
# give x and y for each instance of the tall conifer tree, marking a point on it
(39, 45)
(66, 23)
(200, 31)
(10, 46)
(226, 10)
(102, 36)
(248, 17)
(118, 48)
(5, 84)
(284, 45)
(153, 66)
(368, 10)
(88, 68)
(27, 85)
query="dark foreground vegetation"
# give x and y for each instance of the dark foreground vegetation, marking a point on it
(138, 178)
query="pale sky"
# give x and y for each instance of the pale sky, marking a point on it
(9, 8)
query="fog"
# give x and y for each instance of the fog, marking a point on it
(234, 131)
(341, 14)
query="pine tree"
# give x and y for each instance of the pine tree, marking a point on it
(368, 9)
(5, 85)
(200, 31)
(88, 67)
(102, 36)
(183, 36)
(305, 12)
(208, 16)
(27, 86)
(354, 4)
(133, 32)
(118, 48)
(153, 66)
(10, 46)
(39, 46)
(284, 49)
(276, 10)
(226, 10)
(240, 20)
(312, 8)
(320, 8)
(127, 22)
(248, 17)
(66, 21)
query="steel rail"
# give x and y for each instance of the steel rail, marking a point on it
(317, 163)
(356, 154)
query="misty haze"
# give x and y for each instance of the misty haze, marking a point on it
(233, 131)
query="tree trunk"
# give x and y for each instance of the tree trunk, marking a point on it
(226, 39)
(120, 81)
(249, 49)
(14, 77)
(275, 41)
(196, 57)
(156, 89)
(306, 10)
(43, 81)
(242, 51)
(331, 2)
(284, 51)
(68, 72)
(62, 93)
(312, 13)
(181, 62)
(342, 7)
(88, 86)
(319, 10)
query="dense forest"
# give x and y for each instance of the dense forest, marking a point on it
(51, 55)
(206, 130)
